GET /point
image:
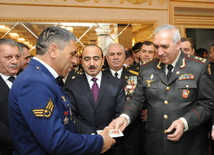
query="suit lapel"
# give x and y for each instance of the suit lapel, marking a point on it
(105, 82)
(177, 71)
(4, 87)
(86, 89)
(160, 71)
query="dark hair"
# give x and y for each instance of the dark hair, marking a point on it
(189, 40)
(60, 36)
(199, 52)
(94, 46)
(128, 53)
(21, 46)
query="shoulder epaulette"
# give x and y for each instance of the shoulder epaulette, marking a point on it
(133, 72)
(134, 67)
(149, 61)
(196, 58)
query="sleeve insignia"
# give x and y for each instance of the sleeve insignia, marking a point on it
(46, 112)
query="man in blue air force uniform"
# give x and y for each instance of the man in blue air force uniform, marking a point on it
(40, 113)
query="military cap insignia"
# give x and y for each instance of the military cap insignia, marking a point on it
(46, 112)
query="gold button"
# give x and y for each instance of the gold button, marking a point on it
(37, 67)
(166, 102)
(68, 105)
(187, 86)
(165, 131)
(165, 116)
(168, 88)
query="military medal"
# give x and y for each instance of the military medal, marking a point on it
(66, 118)
(149, 82)
(70, 113)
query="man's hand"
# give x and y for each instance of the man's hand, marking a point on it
(143, 115)
(212, 134)
(178, 125)
(107, 140)
(118, 123)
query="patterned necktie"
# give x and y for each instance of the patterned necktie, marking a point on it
(169, 67)
(11, 78)
(59, 81)
(116, 74)
(95, 89)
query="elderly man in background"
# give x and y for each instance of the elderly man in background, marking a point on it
(9, 67)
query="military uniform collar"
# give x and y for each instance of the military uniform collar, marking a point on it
(49, 68)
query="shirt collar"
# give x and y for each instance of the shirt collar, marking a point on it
(89, 77)
(49, 68)
(119, 72)
(174, 62)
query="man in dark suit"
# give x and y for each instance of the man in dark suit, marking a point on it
(40, 113)
(9, 67)
(178, 92)
(93, 112)
(89, 115)
(116, 56)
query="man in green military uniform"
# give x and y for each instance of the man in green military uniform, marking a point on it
(178, 91)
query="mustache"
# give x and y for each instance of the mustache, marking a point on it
(92, 67)
(13, 66)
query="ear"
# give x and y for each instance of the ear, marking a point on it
(179, 45)
(53, 50)
(103, 60)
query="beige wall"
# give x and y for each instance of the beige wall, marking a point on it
(103, 10)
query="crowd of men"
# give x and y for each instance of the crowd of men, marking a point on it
(159, 94)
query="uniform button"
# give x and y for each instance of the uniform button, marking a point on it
(168, 88)
(187, 86)
(68, 105)
(166, 102)
(165, 131)
(165, 116)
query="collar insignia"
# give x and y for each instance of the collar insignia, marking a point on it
(158, 66)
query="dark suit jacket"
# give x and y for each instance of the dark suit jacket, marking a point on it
(88, 116)
(188, 94)
(5, 136)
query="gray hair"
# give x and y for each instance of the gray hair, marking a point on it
(60, 36)
(115, 44)
(9, 42)
(176, 36)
